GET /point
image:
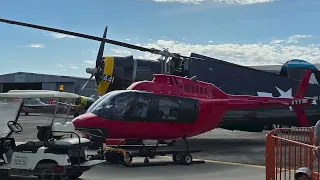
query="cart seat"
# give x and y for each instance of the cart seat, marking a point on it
(59, 130)
(65, 143)
(29, 146)
(70, 142)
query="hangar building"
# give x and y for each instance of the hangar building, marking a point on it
(33, 81)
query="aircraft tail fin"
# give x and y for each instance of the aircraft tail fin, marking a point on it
(300, 93)
(303, 86)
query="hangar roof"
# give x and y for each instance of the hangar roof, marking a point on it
(36, 77)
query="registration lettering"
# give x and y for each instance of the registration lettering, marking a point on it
(20, 160)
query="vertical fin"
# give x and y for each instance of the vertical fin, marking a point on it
(302, 116)
(301, 91)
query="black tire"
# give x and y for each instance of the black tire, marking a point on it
(46, 172)
(177, 158)
(152, 150)
(186, 159)
(75, 175)
(26, 113)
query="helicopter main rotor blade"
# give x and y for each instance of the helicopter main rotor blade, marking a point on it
(118, 43)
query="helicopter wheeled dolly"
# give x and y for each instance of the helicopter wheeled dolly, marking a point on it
(124, 154)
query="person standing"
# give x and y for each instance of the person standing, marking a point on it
(303, 173)
(316, 140)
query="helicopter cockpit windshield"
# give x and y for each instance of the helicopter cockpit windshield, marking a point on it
(9, 109)
(113, 105)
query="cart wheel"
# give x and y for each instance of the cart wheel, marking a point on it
(186, 159)
(152, 150)
(127, 161)
(177, 158)
(75, 175)
(47, 172)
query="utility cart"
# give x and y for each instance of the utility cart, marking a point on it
(59, 152)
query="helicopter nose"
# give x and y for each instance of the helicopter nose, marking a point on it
(83, 121)
(90, 124)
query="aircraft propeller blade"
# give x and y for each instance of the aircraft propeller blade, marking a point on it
(95, 72)
(85, 84)
(101, 49)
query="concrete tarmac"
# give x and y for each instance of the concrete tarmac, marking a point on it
(228, 155)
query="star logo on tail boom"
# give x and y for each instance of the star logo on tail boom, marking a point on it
(283, 94)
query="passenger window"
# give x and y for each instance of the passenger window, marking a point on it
(140, 109)
(168, 110)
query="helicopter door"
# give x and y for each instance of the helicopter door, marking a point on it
(164, 115)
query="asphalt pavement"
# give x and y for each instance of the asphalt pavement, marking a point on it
(228, 155)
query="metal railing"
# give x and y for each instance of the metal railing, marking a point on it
(288, 149)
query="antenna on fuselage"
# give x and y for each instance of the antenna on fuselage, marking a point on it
(194, 78)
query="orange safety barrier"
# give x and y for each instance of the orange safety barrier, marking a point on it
(288, 149)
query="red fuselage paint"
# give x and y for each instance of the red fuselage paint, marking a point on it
(212, 106)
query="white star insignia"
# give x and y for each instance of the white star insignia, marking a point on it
(287, 94)
(283, 94)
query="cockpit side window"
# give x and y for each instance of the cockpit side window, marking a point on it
(116, 107)
(140, 108)
(97, 102)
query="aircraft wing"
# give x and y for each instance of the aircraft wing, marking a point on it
(38, 94)
(66, 104)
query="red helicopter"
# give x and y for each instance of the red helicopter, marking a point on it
(169, 107)
(172, 107)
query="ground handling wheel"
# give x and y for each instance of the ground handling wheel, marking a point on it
(182, 158)
(152, 150)
(187, 159)
(177, 158)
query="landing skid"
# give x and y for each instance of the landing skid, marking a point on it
(124, 154)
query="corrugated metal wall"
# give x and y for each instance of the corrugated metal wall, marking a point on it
(51, 82)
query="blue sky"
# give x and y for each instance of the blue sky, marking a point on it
(248, 32)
